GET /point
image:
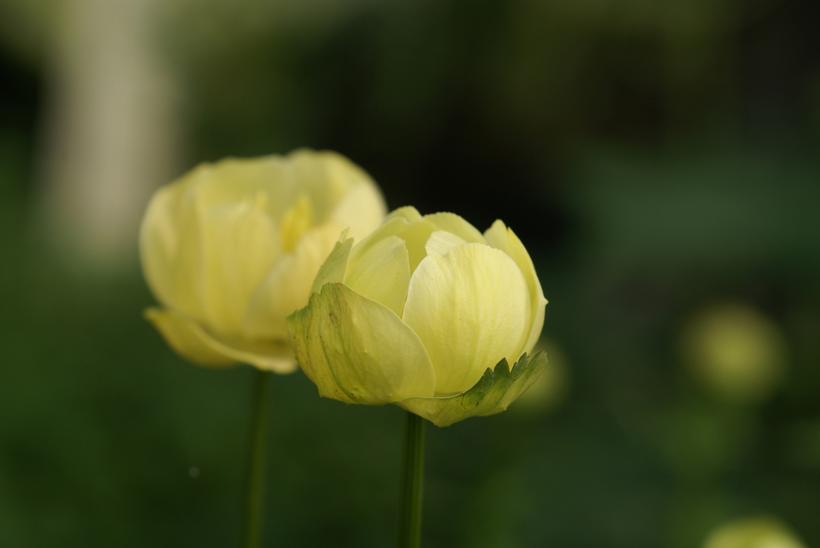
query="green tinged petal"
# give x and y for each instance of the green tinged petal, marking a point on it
(358, 351)
(192, 341)
(334, 268)
(470, 308)
(492, 394)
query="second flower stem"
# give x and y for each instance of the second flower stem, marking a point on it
(412, 483)
(256, 459)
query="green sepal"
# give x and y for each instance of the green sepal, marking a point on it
(492, 394)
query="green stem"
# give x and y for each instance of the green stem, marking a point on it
(256, 460)
(412, 483)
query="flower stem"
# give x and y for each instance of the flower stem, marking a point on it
(412, 483)
(256, 460)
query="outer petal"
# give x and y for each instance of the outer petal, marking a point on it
(169, 220)
(192, 341)
(287, 287)
(358, 351)
(503, 238)
(492, 394)
(470, 309)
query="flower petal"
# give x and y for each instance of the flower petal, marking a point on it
(169, 220)
(503, 238)
(470, 308)
(288, 285)
(358, 351)
(407, 224)
(193, 342)
(232, 180)
(325, 177)
(330, 178)
(441, 242)
(492, 394)
(239, 243)
(295, 222)
(382, 273)
(455, 224)
(361, 210)
(334, 268)
(408, 213)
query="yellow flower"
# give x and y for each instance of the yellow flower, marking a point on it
(760, 532)
(231, 248)
(427, 313)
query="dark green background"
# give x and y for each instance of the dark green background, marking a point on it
(656, 160)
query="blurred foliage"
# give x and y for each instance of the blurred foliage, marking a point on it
(657, 158)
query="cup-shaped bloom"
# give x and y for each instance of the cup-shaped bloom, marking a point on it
(231, 248)
(427, 313)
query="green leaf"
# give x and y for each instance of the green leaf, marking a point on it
(492, 394)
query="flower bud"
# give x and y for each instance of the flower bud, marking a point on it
(231, 248)
(426, 312)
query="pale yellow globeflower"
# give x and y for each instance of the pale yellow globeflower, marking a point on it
(231, 248)
(427, 313)
(757, 532)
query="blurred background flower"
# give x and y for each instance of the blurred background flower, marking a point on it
(759, 532)
(656, 158)
(736, 352)
(230, 249)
